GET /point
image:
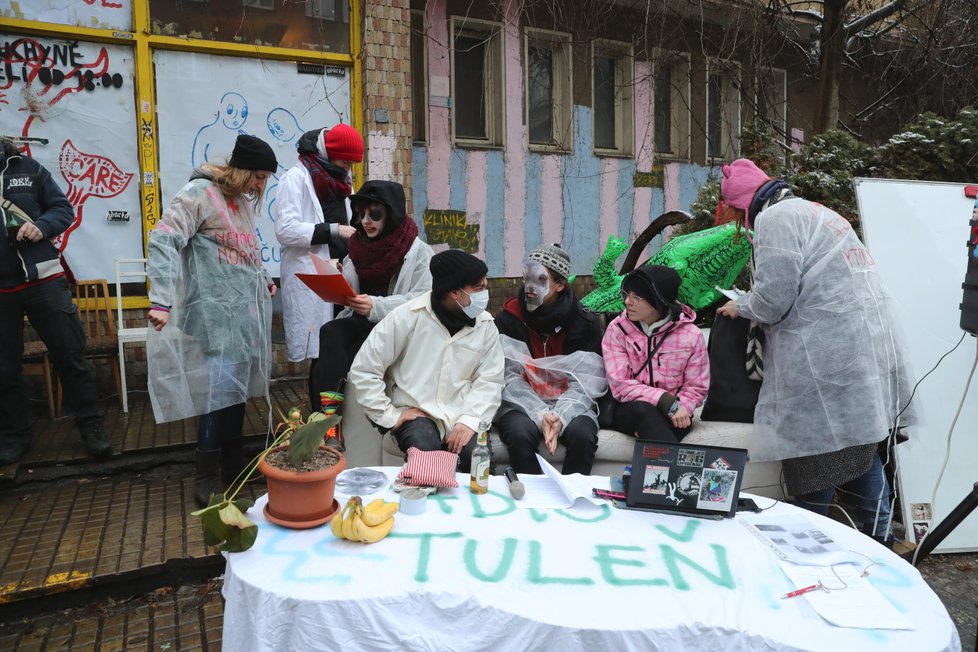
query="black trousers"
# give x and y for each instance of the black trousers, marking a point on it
(339, 342)
(49, 308)
(522, 438)
(422, 433)
(214, 428)
(644, 420)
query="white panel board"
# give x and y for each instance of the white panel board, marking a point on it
(205, 101)
(79, 97)
(917, 232)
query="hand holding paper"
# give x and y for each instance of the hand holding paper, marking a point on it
(327, 282)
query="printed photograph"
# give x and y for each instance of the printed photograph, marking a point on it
(919, 530)
(656, 480)
(717, 490)
(920, 512)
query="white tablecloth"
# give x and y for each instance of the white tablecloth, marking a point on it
(475, 573)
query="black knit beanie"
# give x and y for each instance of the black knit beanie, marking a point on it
(251, 153)
(657, 284)
(453, 269)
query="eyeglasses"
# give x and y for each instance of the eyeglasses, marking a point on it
(630, 296)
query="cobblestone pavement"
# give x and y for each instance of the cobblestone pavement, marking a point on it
(101, 556)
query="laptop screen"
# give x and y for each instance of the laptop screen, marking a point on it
(686, 478)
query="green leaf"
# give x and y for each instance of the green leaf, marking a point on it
(215, 529)
(306, 440)
(232, 516)
(241, 540)
(244, 504)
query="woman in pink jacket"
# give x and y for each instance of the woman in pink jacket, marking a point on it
(655, 358)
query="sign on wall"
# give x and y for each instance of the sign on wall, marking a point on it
(451, 228)
(205, 101)
(100, 14)
(73, 103)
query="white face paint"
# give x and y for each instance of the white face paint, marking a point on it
(536, 284)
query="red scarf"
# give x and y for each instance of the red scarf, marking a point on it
(329, 181)
(376, 261)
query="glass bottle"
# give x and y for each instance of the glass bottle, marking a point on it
(479, 481)
(12, 225)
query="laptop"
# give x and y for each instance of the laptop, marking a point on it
(687, 479)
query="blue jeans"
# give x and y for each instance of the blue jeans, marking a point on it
(872, 493)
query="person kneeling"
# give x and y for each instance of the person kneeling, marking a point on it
(554, 371)
(432, 370)
(655, 358)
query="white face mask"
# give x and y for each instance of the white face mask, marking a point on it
(478, 302)
(536, 281)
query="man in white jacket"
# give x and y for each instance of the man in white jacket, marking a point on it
(432, 370)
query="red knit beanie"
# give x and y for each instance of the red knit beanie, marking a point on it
(342, 143)
(741, 179)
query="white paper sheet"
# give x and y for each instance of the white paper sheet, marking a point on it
(555, 491)
(859, 605)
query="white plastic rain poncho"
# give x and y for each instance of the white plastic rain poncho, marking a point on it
(565, 385)
(205, 265)
(835, 374)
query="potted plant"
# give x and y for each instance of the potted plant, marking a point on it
(301, 474)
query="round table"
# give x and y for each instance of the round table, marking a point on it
(477, 573)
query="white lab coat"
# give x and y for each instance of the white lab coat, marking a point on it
(410, 360)
(297, 214)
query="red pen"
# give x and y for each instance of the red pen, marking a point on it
(802, 591)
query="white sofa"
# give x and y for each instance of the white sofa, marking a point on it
(366, 447)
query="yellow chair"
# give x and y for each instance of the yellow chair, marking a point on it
(101, 337)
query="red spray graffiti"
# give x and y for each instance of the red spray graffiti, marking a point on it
(88, 175)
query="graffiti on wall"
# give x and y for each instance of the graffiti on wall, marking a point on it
(63, 99)
(451, 228)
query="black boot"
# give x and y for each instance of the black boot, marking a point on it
(207, 481)
(14, 448)
(232, 459)
(334, 438)
(96, 440)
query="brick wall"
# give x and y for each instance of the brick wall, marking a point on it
(387, 88)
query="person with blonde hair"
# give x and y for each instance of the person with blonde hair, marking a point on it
(209, 348)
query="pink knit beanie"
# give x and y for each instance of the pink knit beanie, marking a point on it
(741, 179)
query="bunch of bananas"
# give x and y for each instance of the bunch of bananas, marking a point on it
(364, 523)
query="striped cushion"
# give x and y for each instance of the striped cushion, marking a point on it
(429, 468)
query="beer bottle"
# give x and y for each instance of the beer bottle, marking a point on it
(479, 482)
(12, 225)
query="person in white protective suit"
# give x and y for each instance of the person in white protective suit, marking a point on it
(312, 219)
(836, 380)
(209, 348)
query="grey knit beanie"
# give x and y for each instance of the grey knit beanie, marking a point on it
(553, 258)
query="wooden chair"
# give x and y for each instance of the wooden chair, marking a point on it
(37, 362)
(101, 338)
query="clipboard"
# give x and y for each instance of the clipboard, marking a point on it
(328, 283)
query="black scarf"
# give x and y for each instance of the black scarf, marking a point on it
(452, 320)
(546, 319)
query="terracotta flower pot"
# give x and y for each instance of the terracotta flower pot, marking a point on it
(301, 500)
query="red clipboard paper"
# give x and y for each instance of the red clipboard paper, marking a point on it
(327, 282)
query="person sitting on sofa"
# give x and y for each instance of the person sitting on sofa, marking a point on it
(554, 370)
(655, 358)
(432, 370)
